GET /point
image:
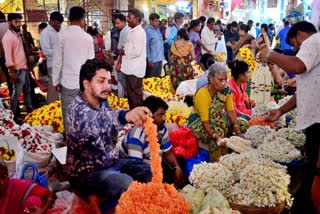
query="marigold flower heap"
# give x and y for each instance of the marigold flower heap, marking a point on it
(117, 103)
(47, 115)
(247, 56)
(178, 112)
(153, 197)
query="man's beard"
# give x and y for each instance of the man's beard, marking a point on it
(15, 29)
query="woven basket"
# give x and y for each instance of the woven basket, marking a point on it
(245, 209)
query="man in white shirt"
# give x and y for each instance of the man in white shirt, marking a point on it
(121, 25)
(208, 37)
(134, 58)
(252, 30)
(73, 48)
(48, 39)
(170, 24)
(304, 38)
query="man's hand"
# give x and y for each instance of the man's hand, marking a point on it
(263, 55)
(58, 88)
(120, 52)
(178, 177)
(138, 116)
(151, 65)
(272, 115)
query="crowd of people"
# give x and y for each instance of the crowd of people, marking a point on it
(80, 66)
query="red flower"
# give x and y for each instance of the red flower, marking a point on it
(25, 132)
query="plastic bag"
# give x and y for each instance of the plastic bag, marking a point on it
(194, 198)
(214, 199)
(184, 143)
(203, 156)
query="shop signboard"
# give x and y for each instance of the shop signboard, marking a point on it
(37, 16)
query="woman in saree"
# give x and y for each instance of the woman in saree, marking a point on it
(194, 36)
(246, 40)
(238, 83)
(214, 109)
(264, 38)
(182, 54)
(21, 196)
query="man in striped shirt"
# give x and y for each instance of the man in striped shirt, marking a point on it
(135, 146)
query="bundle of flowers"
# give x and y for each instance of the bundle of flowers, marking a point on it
(256, 134)
(247, 56)
(47, 115)
(206, 175)
(178, 112)
(153, 197)
(197, 71)
(260, 88)
(279, 149)
(296, 138)
(261, 185)
(213, 210)
(220, 56)
(260, 121)
(117, 103)
(32, 138)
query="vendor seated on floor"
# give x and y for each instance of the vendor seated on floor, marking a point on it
(92, 125)
(135, 146)
(238, 83)
(214, 105)
(22, 196)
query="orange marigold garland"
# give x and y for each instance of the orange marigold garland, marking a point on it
(153, 197)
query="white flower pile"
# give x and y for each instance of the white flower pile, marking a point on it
(206, 175)
(279, 149)
(296, 138)
(261, 185)
(256, 134)
(261, 85)
(213, 210)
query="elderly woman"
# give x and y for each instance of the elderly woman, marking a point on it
(21, 196)
(210, 122)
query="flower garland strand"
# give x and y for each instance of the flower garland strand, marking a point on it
(155, 159)
(153, 197)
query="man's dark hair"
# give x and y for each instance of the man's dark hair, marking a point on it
(76, 13)
(218, 22)
(178, 16)
(89, 68)
(154, 16)
(12, 16)
(42, 25)
(202, 19)
(121, 17)
(234, 24)
(286, 23)
(257, 24)
(154, 103)
(136, 13)
(210, 20)
(283, 20)
(92, 31)
(250, 22)
(302, 26)
(2, 17)
(270, 25)
(56, 16)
